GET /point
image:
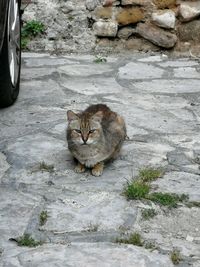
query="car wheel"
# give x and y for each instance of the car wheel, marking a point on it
(10, 57)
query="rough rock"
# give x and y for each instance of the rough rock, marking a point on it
(165, 19)
(107, 29)
(91, 4)
(110, 3)
(156, 35)
(188, 11)
(4, 166)
(164, 3)
(66, 25)
(126, 32)
(129, 16)
(135, 2)
(90, 255)
(102, 13)
(189, 31)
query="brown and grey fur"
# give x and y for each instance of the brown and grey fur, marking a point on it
(95, 136)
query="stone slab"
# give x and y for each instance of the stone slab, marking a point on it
(90, 255)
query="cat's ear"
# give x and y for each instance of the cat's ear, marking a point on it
(98, 116)
(71, 116)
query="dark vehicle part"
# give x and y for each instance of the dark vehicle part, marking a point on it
(10, 54)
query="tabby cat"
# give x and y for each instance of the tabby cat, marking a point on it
(95, 136)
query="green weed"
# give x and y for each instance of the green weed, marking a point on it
(43, 217)
(175, 257)
(136, 190)
(28, 241)
(99, 59)
(149, 174)
(133, 239)
(30, 30)
(167, 199)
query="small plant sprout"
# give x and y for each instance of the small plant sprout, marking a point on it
(43, 217)
(92, 227)
(46, 167)
(99, 59)
(175, 256)
(134, 239)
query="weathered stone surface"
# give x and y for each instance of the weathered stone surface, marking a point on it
(189, 31)
(125, 32)
(129, 16)
(170, 87)
(98, 85)
(102, 13)
(190, 188)
(78, 213)
(66, 25)
(156, 35)
(186, 72)
(90, 255)
(87, 214)
(104, 28)
(165, 19)
(82, 70)
(189, 10)
(4, 166)
(182, 223)
(164, 3)
(133, 71)
(91, 4)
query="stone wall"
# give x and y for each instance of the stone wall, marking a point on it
(89, 25)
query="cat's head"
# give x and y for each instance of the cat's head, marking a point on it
(84, 129)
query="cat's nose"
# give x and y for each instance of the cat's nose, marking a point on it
(84, 138)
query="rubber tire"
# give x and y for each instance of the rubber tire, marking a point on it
(8, 93)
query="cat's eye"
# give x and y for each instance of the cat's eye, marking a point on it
(92, 131)
(77, 131)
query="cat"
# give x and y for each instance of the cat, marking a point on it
(94, 137)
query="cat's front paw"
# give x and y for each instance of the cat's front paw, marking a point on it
(98, 169)
(79, 168)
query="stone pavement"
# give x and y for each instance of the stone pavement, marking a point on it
(159, 98)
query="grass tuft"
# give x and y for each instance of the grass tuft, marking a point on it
(140, 189)
(134, 239)
(46, 167)
(136, 190)
(148, 214)
(167, 199)
(28, 241)
(150, 174)
(43, 217)
(175, 257)
(150, 245)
